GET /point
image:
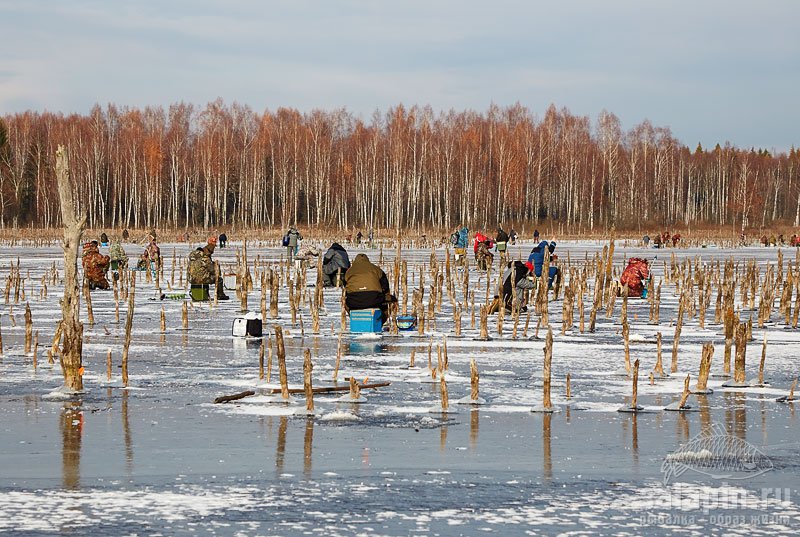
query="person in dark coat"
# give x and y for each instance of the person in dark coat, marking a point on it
(203, 270)
(292, 242)
(501, 240)
(95, 266)
(223, 240)
(366, 286)
(335, 261)
(516, 275)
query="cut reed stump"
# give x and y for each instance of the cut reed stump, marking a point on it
(307, 387)
(28, 328)
(474, 397)
(354, 391)
(444, 395)
(634, 406)
(680, 405)
(705, 367)
(547, 405)
(739, 380)
(127, 342)
(108, 366)
(484, 324)
(261, 361)
(658, 370)
(788, 398)
(759, 382)
(284, 380)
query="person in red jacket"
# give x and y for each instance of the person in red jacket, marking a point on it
(635, 276)
(483, 256)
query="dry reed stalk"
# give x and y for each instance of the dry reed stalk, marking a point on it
(269, 359)
(273, 296)
(527, 323)
(730, 322)
(705, 367)
(763, 359)
(411, 362)
(659, 368)
(35, 350)
(127, 342)
(282, 363)
(163, 320)
(474, 379)
(548, 358)
(685, 394)
(108, 365)
(28, 328)
(741, 354)
(443, 392)
(484, 323)
(635, 393)
(308, 388)
(569, 387)
(627, 347)
(185, 316)
(355, 389)
(261, 361)
(472, 310)
(338, 358)
(677, 338)
(343, 315)
(657, 301)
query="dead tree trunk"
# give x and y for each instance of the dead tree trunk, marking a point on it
(71, 326)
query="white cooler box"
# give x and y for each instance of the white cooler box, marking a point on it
(249, 325)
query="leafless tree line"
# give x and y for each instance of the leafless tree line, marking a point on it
(226, 165)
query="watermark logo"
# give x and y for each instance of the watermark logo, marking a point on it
(716, 454)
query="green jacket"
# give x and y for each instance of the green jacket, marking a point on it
(364, 276)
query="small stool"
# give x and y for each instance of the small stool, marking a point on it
(199, 292)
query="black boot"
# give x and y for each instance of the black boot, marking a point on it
(221, 290)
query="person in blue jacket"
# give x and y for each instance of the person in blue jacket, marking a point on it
(459, 240)
(537, 258)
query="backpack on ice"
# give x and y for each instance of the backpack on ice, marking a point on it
(201, 268)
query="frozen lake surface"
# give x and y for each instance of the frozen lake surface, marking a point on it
(159, 458)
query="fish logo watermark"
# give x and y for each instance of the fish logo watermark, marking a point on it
(718, 455)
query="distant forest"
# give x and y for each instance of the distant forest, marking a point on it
(224, 165)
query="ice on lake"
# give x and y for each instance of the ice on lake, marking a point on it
(160, 458)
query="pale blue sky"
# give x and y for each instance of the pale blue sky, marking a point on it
(712, 71)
